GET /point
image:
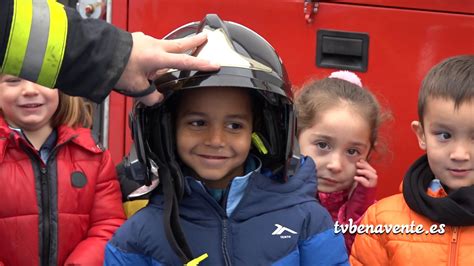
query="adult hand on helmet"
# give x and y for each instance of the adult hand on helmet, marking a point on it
(151, 57)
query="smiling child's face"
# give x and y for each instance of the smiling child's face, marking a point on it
(213, 133)
(25, 104)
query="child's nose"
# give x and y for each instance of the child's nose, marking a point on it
(215, 137)
(335, 163)
(462, 151)
(29, 88)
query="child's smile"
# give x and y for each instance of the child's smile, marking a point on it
(25, 104)
(213, 160)
(214, 127)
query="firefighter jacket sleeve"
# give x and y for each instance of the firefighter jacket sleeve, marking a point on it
(45, 42)
(105, 218)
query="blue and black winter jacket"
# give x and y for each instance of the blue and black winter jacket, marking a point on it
(265, 222)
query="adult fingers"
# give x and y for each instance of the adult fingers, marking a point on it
(187, 62)
(158, 73)
(151, 99)
(184, 44)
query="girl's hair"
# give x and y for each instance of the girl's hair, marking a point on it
(72, 111)
(316, 97)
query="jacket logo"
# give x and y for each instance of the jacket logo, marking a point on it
(281, 229)
(78, 179)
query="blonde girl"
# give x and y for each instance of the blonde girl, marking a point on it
(61, 201)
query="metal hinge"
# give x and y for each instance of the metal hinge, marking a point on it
(310, 8)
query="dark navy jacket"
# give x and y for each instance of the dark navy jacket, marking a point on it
(265, 223)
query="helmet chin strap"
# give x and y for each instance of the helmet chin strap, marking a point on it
(171, 184)
(173, 187)
(173, 230)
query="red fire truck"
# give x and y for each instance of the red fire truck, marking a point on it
(390, 44)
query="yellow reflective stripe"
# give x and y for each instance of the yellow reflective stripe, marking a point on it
(55, 48)
(18, 39)
(37, 41)
(197, 260)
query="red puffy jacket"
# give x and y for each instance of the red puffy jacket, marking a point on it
(63, 212)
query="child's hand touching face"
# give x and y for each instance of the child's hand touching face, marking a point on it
(365, 174)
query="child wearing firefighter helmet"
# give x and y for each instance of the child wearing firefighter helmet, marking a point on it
(231, 192)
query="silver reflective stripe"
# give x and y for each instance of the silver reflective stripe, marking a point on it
(37, 41)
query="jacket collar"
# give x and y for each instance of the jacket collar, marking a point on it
(436, 190)
(333, 200)
(455, 209)
(260, 195)
(82, 137)
(252, 165)
(79, 136)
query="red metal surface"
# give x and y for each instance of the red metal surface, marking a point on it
(455, 6)
(404, 44)
(117, 114)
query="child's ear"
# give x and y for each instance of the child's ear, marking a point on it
(420, 134)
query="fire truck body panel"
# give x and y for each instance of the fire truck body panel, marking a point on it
(405, 39)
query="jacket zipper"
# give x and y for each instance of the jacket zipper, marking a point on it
(46, 219)
(216, 207)
(45, 179)
(454, 246)
(224, 242)
(45, 199)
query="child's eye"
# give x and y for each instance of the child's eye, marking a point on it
(234, 126)
(13, 80)
(322, 145)
(353, 152)
(442, 136)
(197, 123)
